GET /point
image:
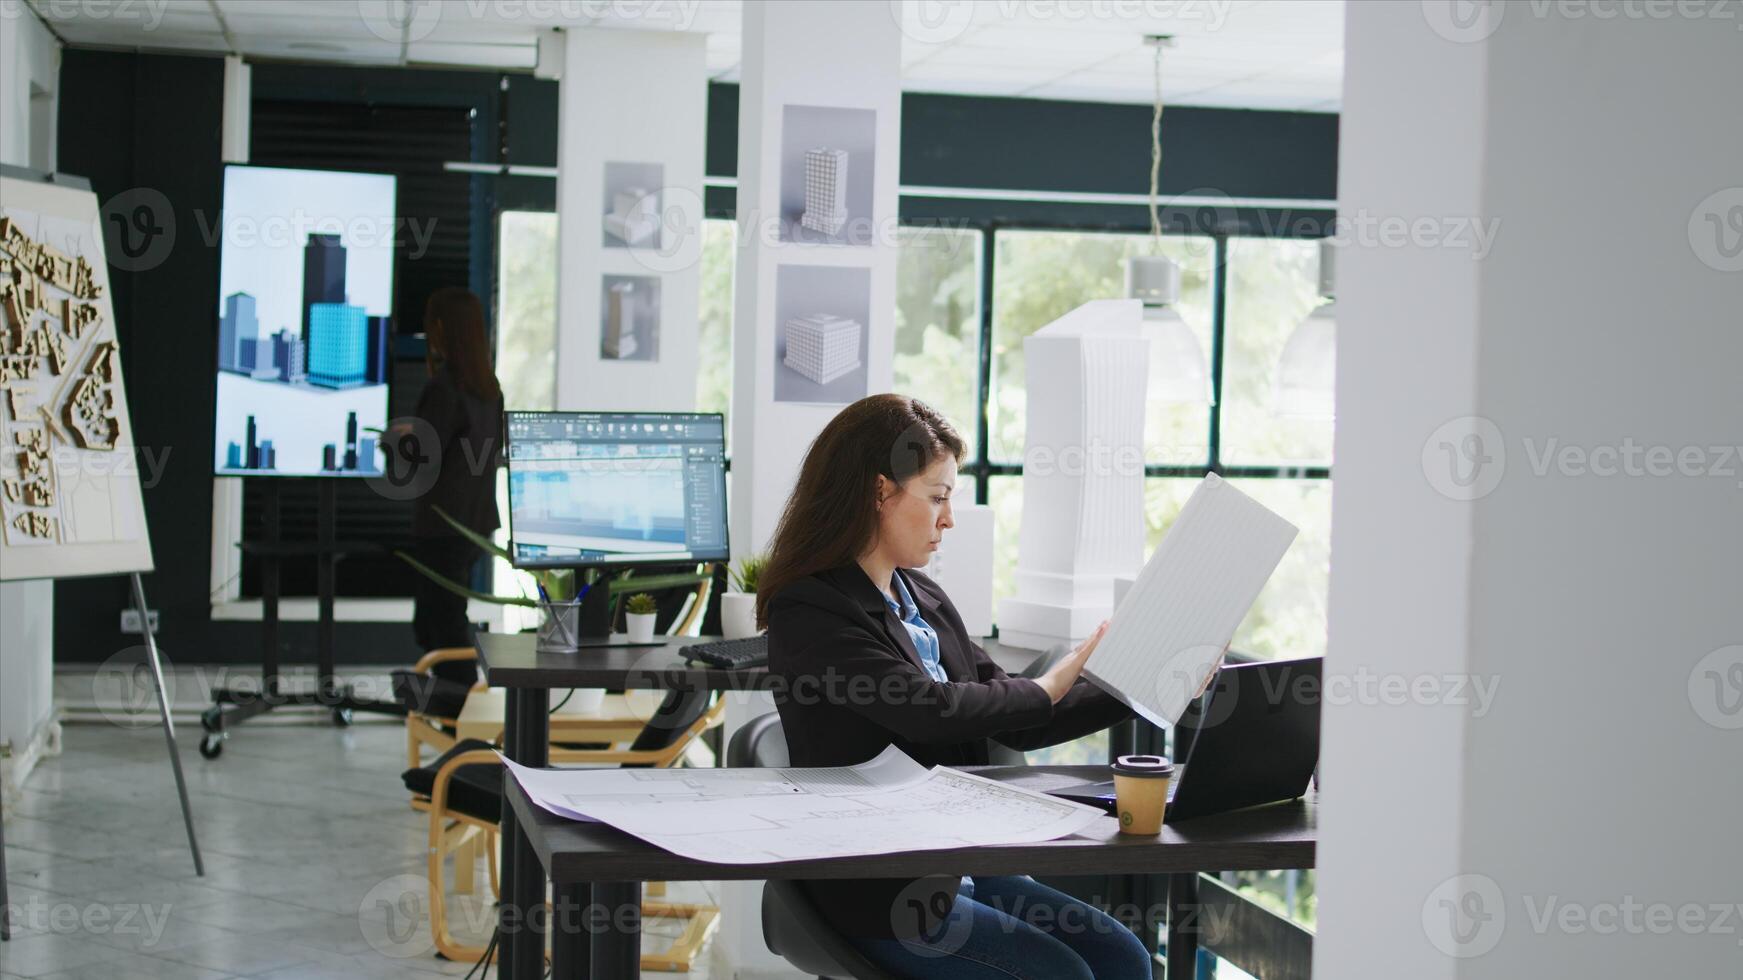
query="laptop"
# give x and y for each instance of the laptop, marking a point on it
(1257, 742)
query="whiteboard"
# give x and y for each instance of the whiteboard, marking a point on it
(70, 499)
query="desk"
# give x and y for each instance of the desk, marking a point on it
(593, 864)
(511, 661)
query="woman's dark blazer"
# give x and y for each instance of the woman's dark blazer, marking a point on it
(852, 684)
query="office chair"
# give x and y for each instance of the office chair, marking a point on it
(462, 792)
(998, 753)
(792, 927)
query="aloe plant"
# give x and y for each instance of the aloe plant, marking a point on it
(641, 604)
(746, 572)
(559, 583)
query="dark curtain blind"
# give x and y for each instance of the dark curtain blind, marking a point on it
(410, 142)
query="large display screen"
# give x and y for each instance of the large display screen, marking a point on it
(305, 295)
(616, 488)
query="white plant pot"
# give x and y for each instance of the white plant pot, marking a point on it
(738, 615)
(640, 626)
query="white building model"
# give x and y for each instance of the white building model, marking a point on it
(1083, 473)
(825, 190)
(635, 215)
(618, 341)
(822, 347)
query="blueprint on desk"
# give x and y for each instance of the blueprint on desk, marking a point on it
(759, 816)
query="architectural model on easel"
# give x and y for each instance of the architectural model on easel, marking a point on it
(69, 487)
(822, 347)
(825, 190)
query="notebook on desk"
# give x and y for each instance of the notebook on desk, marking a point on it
(1169, 632)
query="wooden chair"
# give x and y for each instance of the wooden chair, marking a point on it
(432, 703)
(462, 793)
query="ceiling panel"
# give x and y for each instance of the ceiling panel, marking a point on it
(1273, 53)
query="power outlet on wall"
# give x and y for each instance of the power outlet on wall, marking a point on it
(130, 621)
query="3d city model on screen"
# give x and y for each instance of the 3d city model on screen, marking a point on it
(305, 298)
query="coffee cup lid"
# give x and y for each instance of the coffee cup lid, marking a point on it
(1154, 766)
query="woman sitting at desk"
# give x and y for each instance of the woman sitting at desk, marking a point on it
(885, 660)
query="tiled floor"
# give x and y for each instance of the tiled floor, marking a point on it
(314, 862)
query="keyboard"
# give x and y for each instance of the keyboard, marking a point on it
(751, 651)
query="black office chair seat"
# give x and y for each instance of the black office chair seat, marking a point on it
(792, 926)
(475, 790)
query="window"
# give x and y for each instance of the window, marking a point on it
(938, 324)
(714, 332)
(526, 309)
(1273, 285)
(1039, 276)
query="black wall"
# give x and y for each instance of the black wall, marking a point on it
(145, 125)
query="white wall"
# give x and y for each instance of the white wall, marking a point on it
(638, 97)
(1603, 779)
(29, 83)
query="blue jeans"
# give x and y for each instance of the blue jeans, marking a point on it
(1003, 927)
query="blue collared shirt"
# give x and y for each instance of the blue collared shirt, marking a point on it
(924, 636)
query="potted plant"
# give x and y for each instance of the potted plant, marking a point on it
(738, 612)
(639, 613)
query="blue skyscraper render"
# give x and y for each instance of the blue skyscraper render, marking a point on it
(338, 345)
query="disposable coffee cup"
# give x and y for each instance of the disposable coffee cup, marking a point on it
(1141, 792)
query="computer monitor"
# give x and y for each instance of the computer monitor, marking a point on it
(590, 489)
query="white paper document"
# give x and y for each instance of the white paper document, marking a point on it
(758, 816)
(1169, 631)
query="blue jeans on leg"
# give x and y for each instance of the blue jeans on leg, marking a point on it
(1003, 927)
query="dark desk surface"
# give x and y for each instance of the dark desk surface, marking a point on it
(511, 660)
(1279, 836)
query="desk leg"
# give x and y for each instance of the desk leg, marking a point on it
(572, 935)
(1183, 926)
(617, 951)
(526, 740)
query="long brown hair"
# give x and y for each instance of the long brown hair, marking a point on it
(454, 330)
(832, 515)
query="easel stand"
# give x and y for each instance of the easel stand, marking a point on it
(233, 706)
(169, 731)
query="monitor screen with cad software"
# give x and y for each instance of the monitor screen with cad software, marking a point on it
(615, 488)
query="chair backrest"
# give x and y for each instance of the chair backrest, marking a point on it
(680, 711)
(759, 744)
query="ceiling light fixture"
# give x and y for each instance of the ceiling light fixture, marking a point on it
(1307, 370)
(1179, 374)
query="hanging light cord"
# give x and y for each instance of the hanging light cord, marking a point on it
(1156, 150)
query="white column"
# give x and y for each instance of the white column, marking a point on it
(29, 89)
(823, 76)
(633, 112)
(1511, 549)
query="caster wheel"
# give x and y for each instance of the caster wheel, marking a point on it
(212, 746)
(342, 717)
